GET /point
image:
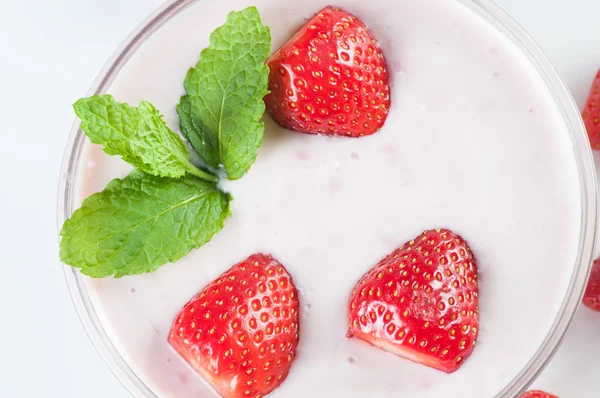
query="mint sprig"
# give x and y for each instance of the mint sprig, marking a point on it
(141, 222)
(139, 135)
(168, 206)
(220, 115)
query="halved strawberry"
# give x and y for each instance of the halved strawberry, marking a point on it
(591, 114)
(591, 297)
(330, 78)
(241, 331)
(537, 394)
(420, 302)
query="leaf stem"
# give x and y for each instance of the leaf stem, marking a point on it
(201, 174)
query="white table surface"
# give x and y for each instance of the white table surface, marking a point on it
(50, 52)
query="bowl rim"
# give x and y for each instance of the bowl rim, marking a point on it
(484, 8)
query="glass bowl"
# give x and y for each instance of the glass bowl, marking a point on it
(495, 16)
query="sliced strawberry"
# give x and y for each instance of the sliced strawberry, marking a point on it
(420, 302)
(591, 297)
(241, 331)
(330, 78)
(537, 394)
(591, 114)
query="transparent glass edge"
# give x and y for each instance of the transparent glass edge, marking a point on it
(485, 8)
(588, 193)
(66, 198)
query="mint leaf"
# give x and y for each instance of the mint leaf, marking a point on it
(140, 222)
(221, 113)
(139, 135)
(206, 145)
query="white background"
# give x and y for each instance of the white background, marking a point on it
(50, 52)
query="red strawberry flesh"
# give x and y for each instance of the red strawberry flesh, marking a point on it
(241, 331)
(537, 394)
(591, 114)
(420, 302)
(591, 297)
(330, 78)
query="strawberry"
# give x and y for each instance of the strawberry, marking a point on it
(241, 331)
(537, 394)
(420, 302)
(330, 78)
(591, 114)
(591, 298)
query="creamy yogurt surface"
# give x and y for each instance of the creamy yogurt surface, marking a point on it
(473, 142)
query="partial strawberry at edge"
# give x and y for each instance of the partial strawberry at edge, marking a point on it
(591, 297)
(591, 114)
(537, 394)
(330, 78)
(420, 302)
(241, 331)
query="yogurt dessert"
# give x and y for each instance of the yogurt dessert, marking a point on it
(472, 142)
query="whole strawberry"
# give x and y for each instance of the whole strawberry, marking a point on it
(591, 114)
(537, 394)
(330, 78)
(591, 297)
(241, 331)
(420, 302)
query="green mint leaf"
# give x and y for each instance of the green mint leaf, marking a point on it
(224, 104)
(140, 222)
(139, 135)
(206, 145)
